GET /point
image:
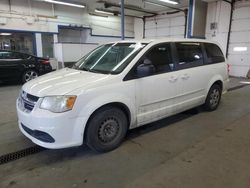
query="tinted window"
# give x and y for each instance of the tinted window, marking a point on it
(5, 55)
(189, 54)
(214, 53)
(10, 55)
(160, 57)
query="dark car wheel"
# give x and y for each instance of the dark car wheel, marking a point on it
(213, 98)
(106, 129)
(29, 75)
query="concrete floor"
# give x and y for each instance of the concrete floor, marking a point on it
(193, 149)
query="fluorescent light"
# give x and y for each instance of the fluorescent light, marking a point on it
(5, 34)
(240, 49)
(156, 4)
(104, 12)
(244, 82)
(94, 14)
(170, 2)
(64, 3)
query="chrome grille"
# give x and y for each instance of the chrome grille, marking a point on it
(26, 102)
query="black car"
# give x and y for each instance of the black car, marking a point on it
(21, 67)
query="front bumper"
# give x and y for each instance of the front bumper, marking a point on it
(64, 129)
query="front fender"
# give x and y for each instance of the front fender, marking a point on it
(97, 102)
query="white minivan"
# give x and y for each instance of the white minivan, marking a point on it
(120, 86)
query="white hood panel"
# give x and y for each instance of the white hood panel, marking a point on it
(62, 82)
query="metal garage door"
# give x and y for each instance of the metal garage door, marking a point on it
(239, 46)
(165, 26)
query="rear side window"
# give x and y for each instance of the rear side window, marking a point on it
(214, 53)
(189, 54)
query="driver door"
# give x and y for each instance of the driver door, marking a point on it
(156, 92)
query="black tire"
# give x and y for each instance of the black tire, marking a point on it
(106, 129)
(29, 75)
(213, 98)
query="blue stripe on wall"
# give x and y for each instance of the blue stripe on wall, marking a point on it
(34, 44)
(190, 18)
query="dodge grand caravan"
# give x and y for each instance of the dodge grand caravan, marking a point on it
(120, 86)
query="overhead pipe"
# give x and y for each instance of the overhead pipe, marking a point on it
(230, 25)
(129, 7)
(144, 23)
(122, 21)
(186, 17)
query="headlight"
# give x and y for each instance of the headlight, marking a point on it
(58, 103)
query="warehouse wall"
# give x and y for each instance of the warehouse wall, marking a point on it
(39, 17)
(165, 26)
(219, 14)
(66, 52)
(199, 19)
(239, 48)
(42, 17)
(138, 28)
(217, 24)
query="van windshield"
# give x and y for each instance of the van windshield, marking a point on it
(109, 58)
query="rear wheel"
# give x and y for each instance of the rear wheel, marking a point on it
(213, 98)
(106, 129)
(29, 75)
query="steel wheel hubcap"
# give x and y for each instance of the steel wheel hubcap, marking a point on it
(108, 130)
(214, 97)
(30, 75)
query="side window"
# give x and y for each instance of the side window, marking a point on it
(5, 55)
(11, 55)
(189, 54)
(214, 53)
(1, 55)
(158, 59)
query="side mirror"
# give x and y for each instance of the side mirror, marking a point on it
(145, 69)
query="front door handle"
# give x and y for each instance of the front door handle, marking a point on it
(173, 78)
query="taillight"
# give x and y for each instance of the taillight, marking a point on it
(46, 62)
(228, 68)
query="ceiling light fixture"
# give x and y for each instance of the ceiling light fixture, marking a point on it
(99, 15)
(240, 49)
(156, 4)
(170, 2)
(103, 12)
(64, 3)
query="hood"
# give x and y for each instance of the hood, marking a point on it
(62, 82)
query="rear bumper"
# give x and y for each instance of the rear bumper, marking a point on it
(225, 86)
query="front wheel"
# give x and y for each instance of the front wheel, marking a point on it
(106, 129)
(213, 98)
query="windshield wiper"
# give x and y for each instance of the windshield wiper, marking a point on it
(84, 69)
(97, 71)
